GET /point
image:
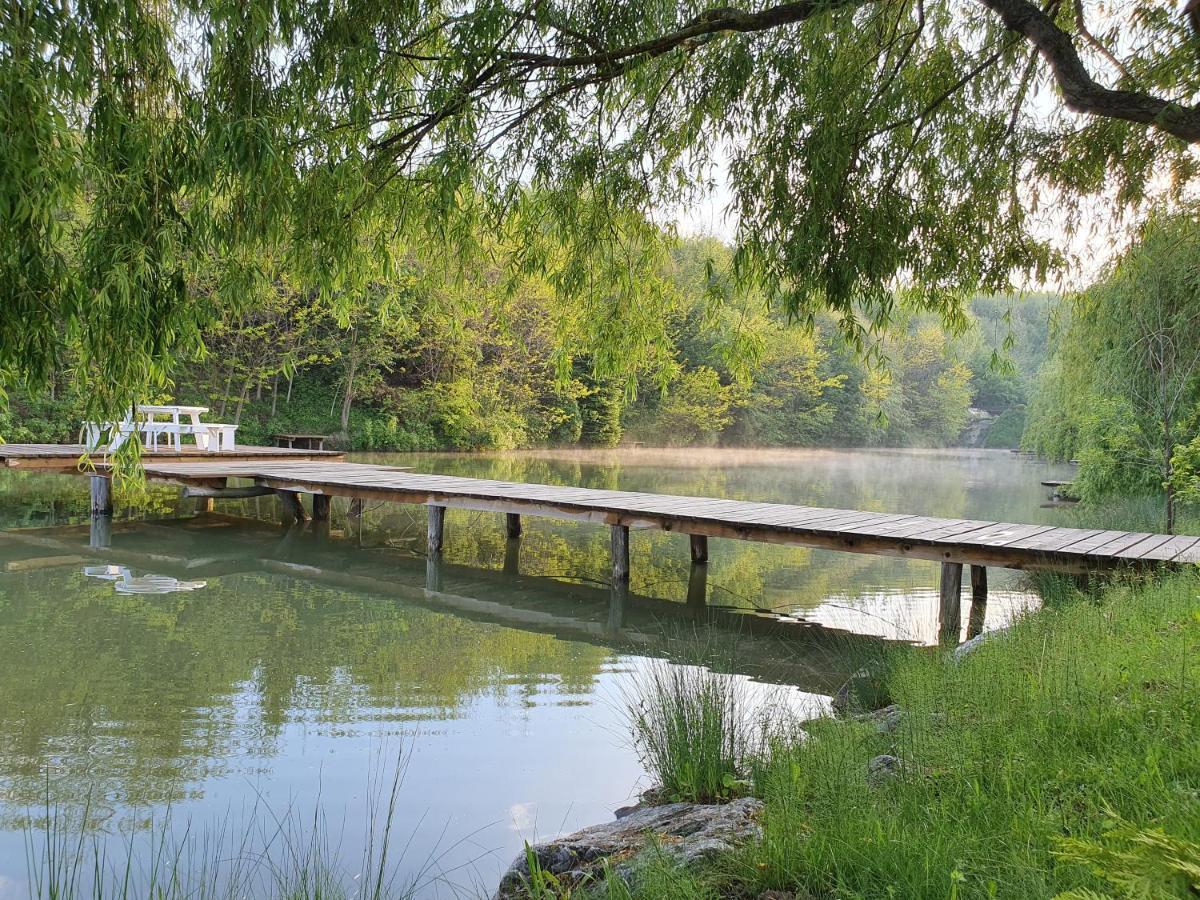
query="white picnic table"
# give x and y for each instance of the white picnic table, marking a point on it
(210, 436)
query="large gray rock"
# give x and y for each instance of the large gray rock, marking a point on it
(685, 832)
(966, 648)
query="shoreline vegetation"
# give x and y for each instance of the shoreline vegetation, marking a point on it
(1059, 759)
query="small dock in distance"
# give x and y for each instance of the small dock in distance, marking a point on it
(954, 543)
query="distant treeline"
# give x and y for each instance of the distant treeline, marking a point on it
(481, 363)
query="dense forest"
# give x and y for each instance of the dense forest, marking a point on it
(424, 361)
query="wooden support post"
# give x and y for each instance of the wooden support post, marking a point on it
(292, 508)
(620, 556)
(616, 608)
(433, 572)
(320, 507)
(512, 556)
(204, 504)
(356, 507)
(979, 598)
(950, 608)
(699, 549)
(512, 525)
(101, 496)
(697, 594)
(437, 523)
(1083, 581)
(100, 535)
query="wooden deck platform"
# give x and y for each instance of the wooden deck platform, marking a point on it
(66, 456)
(953, 543)
(960, 541)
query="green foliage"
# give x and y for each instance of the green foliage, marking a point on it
(1122, 391)
(1137, 862)
(869, 145)
(1006, 431)
(1061, 758)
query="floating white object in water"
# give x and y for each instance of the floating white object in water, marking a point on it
(156, 584)
(127, 583)
(108, 573)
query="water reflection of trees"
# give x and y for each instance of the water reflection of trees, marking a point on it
(136, 699)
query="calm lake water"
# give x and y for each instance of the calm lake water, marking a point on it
(303, 664)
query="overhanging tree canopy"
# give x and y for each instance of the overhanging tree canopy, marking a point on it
(870, 145)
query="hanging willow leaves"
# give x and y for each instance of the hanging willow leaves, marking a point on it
(875, 151)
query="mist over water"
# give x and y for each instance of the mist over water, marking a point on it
(298, 665)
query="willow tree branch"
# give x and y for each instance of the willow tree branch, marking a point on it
(1080, 91)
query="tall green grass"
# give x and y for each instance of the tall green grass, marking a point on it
(273, 856)
(693, 730)
(1062, 759)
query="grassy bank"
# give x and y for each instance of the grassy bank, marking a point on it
(1060, 759)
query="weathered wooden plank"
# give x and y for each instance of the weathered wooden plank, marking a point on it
(1138, 550)
(1172, 548)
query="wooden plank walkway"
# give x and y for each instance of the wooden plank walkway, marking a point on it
(951, 541)
(66, 456)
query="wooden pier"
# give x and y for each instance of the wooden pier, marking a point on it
(953, 543)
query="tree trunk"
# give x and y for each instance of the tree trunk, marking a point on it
(225, 393)
(274, 394)
(237, 414)
(289, 394)
(348, 397)
(1168, 473)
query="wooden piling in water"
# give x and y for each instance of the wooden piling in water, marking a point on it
(437, 523)
(101, 496)
(620, 556)
(320, 507)
(512, 525)
(512, 556)
(950, 606)
(979, 598)
(697, 591)
(356, 508)
(204, 504)
(293, 509)
(699, 549)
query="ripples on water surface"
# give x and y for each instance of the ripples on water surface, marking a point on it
(299, 664)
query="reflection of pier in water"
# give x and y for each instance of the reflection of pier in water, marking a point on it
(767, 647)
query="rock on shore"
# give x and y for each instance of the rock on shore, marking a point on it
(685, 832)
